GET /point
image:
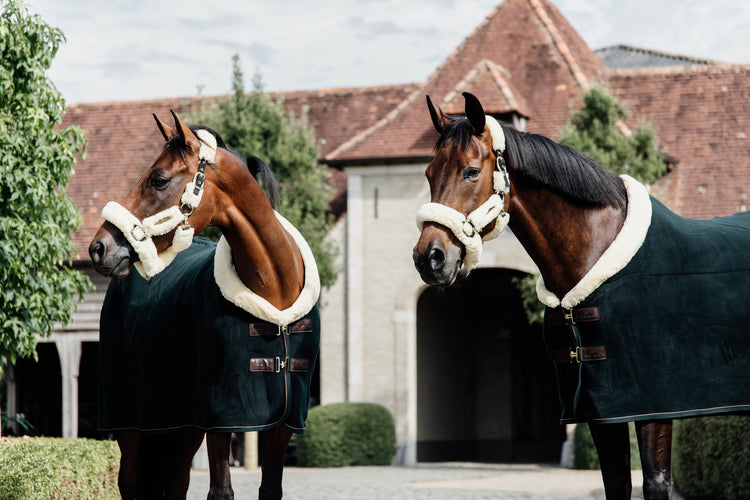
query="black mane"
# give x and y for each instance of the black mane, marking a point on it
(260, 170)
(560, 168)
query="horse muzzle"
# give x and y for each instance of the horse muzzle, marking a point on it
(439, 262)
(110, 252)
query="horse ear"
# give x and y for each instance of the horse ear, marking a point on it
(439, 120)
(166, 130)
(189, 139)
(474, 113)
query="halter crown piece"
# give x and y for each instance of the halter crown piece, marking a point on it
(467, 228)
(139, 233)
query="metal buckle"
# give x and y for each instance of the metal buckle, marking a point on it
(142, 234)
(471, 229)
(282, 329)
(279, 364)
(568, 314)
(575, 356)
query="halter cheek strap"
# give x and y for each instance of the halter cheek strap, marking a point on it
(467, 228)
(140, 233)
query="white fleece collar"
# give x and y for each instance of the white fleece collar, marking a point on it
(236, 292)
(616, 257)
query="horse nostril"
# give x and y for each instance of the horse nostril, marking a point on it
(436, 258)
(96, 251)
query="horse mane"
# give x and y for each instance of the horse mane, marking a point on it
(257, 167)
(560, 168)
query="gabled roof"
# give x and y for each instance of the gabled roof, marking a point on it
(495, 84)
(123, 140)
(540, 51)
(627, 57)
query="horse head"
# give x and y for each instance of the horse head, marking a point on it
(468, 183)
(176, 197)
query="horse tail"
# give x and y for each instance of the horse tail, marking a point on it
(265, 177)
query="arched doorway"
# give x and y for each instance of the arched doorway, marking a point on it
(485, 388)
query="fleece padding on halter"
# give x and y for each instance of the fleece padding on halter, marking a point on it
(467, 228)
(139, 233)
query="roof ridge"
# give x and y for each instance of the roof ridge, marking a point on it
(406, 102)
(373, 128)
(560, 44)
(672, 55)
(717, 68)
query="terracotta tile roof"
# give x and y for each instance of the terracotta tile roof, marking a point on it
(493, 82)
(702, 117)
(123, 141)
(530, 39)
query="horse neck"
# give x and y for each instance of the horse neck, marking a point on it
(563, 239)
(265, 256)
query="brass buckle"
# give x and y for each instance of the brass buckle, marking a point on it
(575, 356)
(280, 364)
(568, 314)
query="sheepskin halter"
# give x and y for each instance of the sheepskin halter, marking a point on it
(140, 233)
(467, 228)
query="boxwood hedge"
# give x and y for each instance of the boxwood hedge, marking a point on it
(54, 468)
(345, 434)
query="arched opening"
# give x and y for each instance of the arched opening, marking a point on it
(485, 388)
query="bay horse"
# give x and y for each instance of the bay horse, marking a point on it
(269, 262)
(592, 236)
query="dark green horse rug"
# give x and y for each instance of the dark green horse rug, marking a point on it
(175, 353)
(660, 327)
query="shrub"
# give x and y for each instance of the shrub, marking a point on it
(584, 451)
(344, 434)
(54, 468)
(711, 457)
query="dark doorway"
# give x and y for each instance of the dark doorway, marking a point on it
(485, 388)
(39, 390)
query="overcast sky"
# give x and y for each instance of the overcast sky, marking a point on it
(143, 49)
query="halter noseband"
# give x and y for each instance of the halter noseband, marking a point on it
(139, 233)
(467, 228)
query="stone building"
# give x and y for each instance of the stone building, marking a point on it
(463, 373)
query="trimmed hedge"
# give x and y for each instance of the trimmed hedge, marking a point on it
(55, 468)
(711, 457)
(584, 451)
(345, 434)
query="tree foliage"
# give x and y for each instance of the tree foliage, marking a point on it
(36, 163)
(254, 123)
(597, 131)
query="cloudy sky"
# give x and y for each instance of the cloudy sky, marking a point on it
(143, 49)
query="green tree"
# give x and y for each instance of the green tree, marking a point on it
(254, 123)
(598, 131)
(37, 159)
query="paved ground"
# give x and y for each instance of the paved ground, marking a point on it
(444, 481)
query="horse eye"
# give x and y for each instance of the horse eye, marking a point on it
(158, 182)
(471, 173)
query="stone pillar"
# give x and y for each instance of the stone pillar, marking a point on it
(69, 350)
(354, 289)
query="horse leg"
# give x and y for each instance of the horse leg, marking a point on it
(273, 445)
(164, 464)
(655, 444)
(613, 447)
(218, 444)
(127, 479)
